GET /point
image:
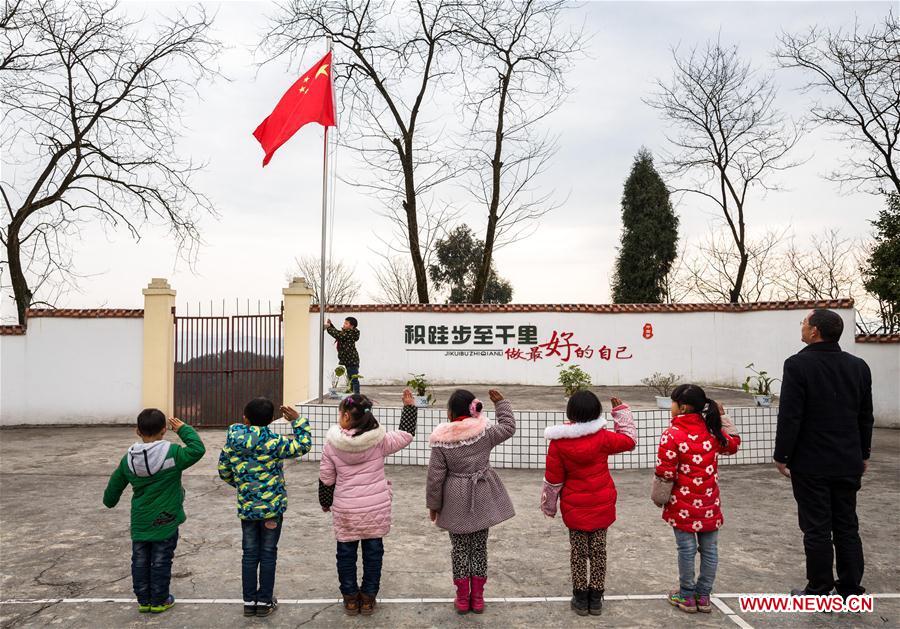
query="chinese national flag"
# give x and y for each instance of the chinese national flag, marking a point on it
(310, 99)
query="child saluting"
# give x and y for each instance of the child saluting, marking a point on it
(153, 468)
(578, 471)
(465, 496)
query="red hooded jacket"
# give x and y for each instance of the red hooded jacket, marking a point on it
(688, 454)
(577, 459)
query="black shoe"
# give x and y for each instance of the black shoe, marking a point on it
(595, 601)
(250, 610)
(857, 591)
(580, 602)
(266, 609)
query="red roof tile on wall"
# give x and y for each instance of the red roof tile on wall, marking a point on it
(878, 338)
(87, 313)
(12, 330)
(591, 308)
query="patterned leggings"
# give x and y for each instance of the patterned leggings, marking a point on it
(588, 544)
(469, 554)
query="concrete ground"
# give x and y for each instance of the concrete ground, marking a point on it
(58, 541)
(546, 398)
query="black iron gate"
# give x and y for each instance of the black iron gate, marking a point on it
(222, 362)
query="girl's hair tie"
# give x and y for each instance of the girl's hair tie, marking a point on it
(473, 408)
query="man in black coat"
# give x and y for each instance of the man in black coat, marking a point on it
(822, 444)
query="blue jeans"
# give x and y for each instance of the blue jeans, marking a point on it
(260, 545)
(151, 569)
(353, 370)
(688, 544)
(372, 554)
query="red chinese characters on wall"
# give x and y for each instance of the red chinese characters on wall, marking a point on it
(562, 347)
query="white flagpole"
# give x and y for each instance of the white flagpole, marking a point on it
(323, 298)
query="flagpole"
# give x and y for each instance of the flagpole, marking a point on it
(323, 298)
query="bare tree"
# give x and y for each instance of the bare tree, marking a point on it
(19, 49)
(712, 267)
(731, 138)
(341, 284)
(394, 58)
(826, 269)
(89, 128)
(396, 281)
(434, 217)
(522, 52)
(779, 268)
(677, 285)
(857, 74)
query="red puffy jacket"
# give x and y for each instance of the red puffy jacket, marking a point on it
(688, 454)
(577, 459)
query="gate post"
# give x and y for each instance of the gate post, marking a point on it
(297, 300)
(158, 386)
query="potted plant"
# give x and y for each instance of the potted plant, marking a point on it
(339, 372)
(349, 387)
(759, 384)
(419, 385)
(573, 378)
(663, 384)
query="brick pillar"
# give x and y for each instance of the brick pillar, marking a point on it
(158, 385)
(297, 343)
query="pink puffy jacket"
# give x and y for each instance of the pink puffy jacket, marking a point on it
(354, 466)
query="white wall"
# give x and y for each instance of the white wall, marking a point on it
(884, 362)
(704, 347)
(72, 370)
(89, 370)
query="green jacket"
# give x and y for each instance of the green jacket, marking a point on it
(154, 472)
(251, 461)
(346, 345)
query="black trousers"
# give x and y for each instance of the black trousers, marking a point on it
(826, 507)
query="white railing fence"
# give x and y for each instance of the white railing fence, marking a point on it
(527, 448)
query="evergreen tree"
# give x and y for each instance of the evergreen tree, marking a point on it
(649, 236)
(882, 275)
(458, 257)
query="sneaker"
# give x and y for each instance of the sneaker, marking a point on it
(167, 604)
(704, 605)
(143, 608)
(686, 604)
(249, 609)
(266, 609)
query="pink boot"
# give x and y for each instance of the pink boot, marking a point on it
(462, 595)
(478, 594)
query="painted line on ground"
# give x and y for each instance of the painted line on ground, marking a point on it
(717, 600)
(725, 609)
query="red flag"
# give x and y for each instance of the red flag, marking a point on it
(310, 99)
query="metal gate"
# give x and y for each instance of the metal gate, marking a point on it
(222, 362)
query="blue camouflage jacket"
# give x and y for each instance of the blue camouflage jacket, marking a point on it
(251, 461)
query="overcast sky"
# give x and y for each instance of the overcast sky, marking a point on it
(268, 216)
